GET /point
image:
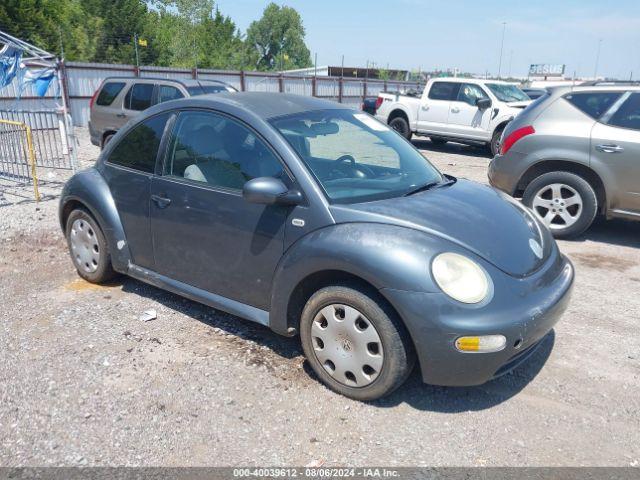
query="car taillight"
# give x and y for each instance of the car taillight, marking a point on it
(514, 136)
(93, 98)
(379, 101)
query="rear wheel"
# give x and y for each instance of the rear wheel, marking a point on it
(564, 201)
(494, 146)
(401, 125)
(355, 345)
(88, 247)
(106, 140)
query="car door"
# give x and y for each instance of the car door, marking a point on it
(433, 113)
(128, 170)
(465, 118)
(139, 97)
(107, 106)
(615, 145)
(204, 233)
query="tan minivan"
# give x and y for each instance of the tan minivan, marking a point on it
(118, 99)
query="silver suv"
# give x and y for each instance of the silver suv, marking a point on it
(120, 98)
(572, 154)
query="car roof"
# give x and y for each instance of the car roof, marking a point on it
(561, 90)
(266, 105)
(187, 82)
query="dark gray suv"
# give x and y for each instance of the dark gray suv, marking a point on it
(573, 154)
(118, 99)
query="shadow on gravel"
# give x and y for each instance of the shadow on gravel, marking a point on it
(423, 143)
(463, 399)
(625, 233)
(413, 392)
(284, 346)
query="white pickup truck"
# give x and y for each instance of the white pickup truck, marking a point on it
(464, 110)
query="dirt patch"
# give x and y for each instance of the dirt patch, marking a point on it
(596, 260)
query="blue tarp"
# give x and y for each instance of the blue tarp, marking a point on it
(9, 65)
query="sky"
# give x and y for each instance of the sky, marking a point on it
(426, 34)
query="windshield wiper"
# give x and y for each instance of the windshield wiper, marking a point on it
(430, 185)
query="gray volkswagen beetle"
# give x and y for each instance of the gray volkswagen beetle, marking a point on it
(311, 218)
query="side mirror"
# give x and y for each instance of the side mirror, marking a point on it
(270, 191)
(483, 103)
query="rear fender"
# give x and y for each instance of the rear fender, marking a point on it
(89, 189)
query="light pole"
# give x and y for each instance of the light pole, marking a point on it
(595, 70)
(504, 28)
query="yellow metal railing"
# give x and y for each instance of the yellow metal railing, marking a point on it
(30, 152)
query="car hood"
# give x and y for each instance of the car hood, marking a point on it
(477, 218)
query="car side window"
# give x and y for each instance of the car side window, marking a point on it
(139, 96)
(628, 115)
(216, 150)
(444, 91)
(109, 92)
(139, 148)
(594, 104)
(167, 92)
(469, 93)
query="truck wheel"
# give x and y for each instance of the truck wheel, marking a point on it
(565, 202)
(88, 247)
(355, 345)
(438, 141)
(494, 146)
(400, 125)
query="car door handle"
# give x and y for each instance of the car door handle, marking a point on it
(425, 107)
(455, 110)
(121, 115)
(609, 148)
(160, 201)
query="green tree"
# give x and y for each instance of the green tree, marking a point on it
(276, 41)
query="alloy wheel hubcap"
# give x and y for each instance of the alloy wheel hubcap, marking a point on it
(347, 345)
(558, 205)
(84, 246)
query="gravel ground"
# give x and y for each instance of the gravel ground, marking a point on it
(84, 382)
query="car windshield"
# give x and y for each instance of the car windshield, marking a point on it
(507, 93)
(206, 89)
(354, 157)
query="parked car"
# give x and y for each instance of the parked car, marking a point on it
(309, 217)
(573, 154)
(464, 110)
(118, 99)
(534, 93)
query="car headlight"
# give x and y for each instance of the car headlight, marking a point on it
(460, 278)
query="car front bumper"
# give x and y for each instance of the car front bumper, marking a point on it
(524, 312)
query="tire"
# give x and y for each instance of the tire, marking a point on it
(106, 140)
(379, 368)
(401, 125)
(438, 141)
(571, 218)
(494, 146)
(88, 247)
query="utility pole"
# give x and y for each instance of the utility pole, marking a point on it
(315, 65)
(510, 61)
(61, 44)
(342, 67)
(504, 28)
(595, 70)
(135, 44)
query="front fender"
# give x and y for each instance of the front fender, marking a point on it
(385, 256)
(89, 188)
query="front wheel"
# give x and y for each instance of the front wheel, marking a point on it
(564, 201)
(494, 146)
(401, 125)
(355, 345)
